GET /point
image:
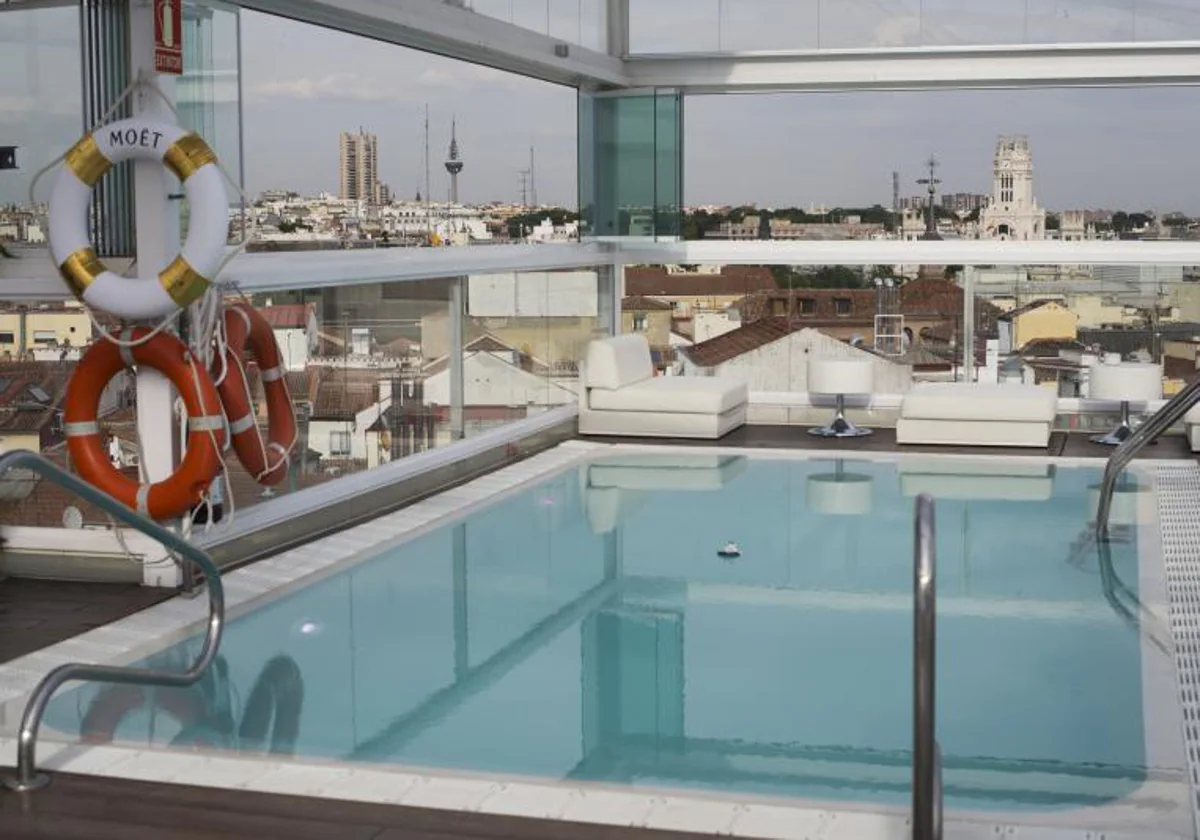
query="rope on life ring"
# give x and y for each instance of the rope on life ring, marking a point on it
(187, 277)
(266, 461)
(183, 489)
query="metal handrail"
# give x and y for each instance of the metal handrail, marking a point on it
(1159, 422)
(927, 760)
(27, 777)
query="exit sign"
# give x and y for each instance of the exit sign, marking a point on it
(168, 36)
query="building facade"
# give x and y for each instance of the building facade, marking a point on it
(1013, 212)
(358, 165)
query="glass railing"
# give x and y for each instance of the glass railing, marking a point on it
(727, 26)
(1043, 326)
(581, 22)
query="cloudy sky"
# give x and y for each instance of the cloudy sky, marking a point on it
(303, 85)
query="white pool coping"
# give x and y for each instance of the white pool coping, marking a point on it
(1164, 800)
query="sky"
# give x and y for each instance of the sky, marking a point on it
(1115, 148)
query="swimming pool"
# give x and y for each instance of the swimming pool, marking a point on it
(585, 628)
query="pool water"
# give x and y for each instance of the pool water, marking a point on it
(586, 628)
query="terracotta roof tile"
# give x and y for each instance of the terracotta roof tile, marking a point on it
(732, 344)
(644, 304)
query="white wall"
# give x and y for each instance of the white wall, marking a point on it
(706, 325)
(293, 347)
(488, 380)
(782, 365)
(533, 294)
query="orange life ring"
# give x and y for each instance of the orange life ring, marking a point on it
(266, 461)
(184, 489)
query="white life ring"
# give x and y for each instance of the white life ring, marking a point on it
(188, 275)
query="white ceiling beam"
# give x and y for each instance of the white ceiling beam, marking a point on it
(897, 252)
(924, 68)
(455, 32)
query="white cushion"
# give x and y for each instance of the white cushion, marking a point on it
(974, 401)
(1133, 381)
(1192, 418)
(619, 361)
(673, 394)
(828, 375)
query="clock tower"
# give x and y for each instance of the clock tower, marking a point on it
(1012, 211)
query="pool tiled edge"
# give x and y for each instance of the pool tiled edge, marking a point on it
(742, 816)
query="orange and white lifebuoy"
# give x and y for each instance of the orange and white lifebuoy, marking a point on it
(266, 461)
(183, 489)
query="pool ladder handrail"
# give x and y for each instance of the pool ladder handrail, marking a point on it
(1170, 414)
(27, 778)
(927, 757)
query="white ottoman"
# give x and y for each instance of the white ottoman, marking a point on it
(1125, 381)
(976, 414)
(830, 376)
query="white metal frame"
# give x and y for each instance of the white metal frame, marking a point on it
(923, 68)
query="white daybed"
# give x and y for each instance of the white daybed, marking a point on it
(620, 395)
(974, 414)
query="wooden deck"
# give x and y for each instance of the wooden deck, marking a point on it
(76, 807)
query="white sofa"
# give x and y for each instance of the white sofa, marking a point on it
(1191, 424)
(974, 414)
(620, 395)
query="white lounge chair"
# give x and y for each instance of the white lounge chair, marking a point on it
(620, 395)
(1191, 424)
(974, 414)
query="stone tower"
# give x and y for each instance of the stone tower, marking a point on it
(1012, 211)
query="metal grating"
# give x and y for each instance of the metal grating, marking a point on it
(1178, 490)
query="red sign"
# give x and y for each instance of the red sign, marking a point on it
(168, 36)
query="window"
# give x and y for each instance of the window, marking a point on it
(639, 322)
(841, 306)
(44, 336)
(339, 443)
(7, 338)
(808, 306)
(779, 307)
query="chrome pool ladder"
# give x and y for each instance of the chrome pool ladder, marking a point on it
(27, 778)
(927, 757)
(1170, 414)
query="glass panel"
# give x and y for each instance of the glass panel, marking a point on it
(680, 26)
(674, 26)
(524, 335)
(748, 25)
(630, 165)
(207, 92)
(580, 22)
(41, 109)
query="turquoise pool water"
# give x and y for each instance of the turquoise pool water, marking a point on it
(586, 628)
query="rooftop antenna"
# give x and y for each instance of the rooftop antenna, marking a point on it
(523, 179)
(454, 163)
(532, 180)
(896, 199)
(428, 220)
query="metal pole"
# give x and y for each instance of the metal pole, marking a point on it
(968, 330)
(926, 782)
(157, 242)
(457, 391)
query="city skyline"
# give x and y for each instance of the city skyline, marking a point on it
(1093, 145)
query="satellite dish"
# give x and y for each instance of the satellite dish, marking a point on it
(72, 518)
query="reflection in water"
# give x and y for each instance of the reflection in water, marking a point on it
(585, 628)
(204, 712)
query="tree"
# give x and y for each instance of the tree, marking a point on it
(1120, 221)
(1053, 222)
